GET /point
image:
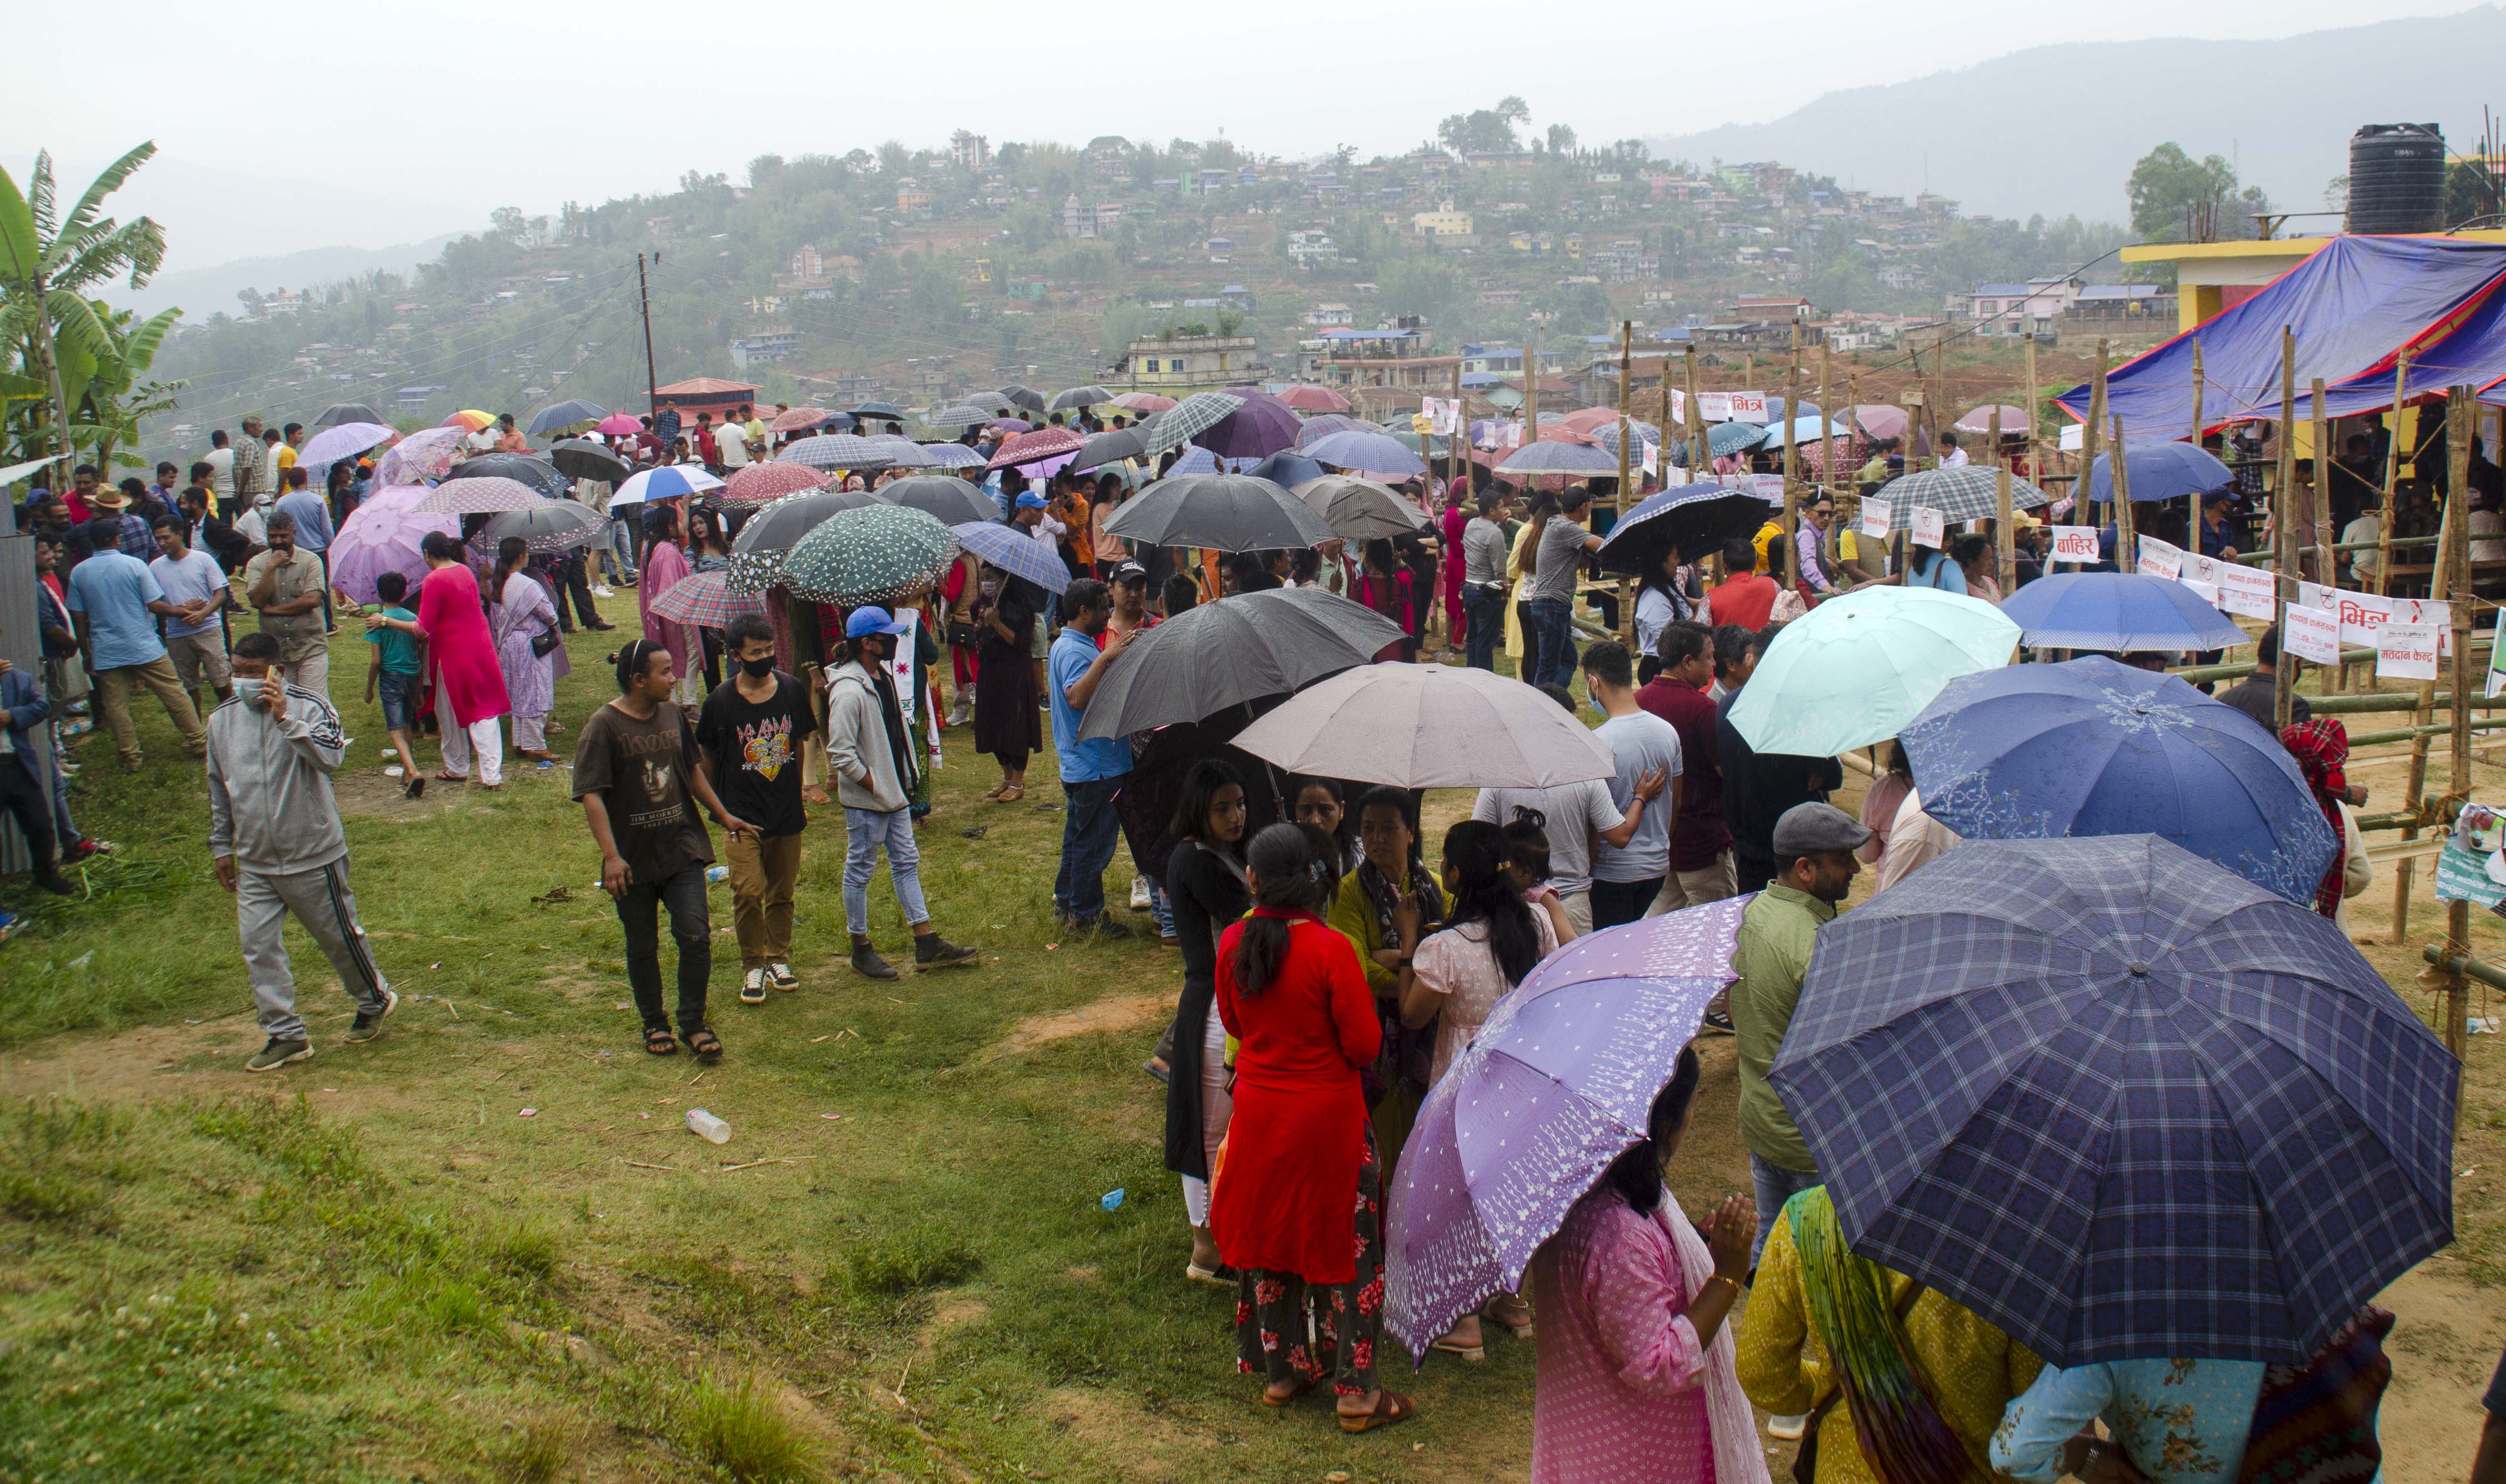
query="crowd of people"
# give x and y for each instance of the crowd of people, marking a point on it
(1331, 973)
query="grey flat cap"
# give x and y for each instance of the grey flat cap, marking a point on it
(1806, 830)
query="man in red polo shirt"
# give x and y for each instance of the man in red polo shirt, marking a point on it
(1702, 869)
(1747, 596)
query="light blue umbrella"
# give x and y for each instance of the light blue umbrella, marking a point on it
(1015, 550)
(1860, 667)
(1807, 429)
(1371, 452)
(2117, 611)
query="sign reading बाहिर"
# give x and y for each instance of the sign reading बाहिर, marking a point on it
(2074, 544)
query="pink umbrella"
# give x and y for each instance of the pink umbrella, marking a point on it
(422, 457)
(381, 535)
(1144, 401)
(1036, 446)
(1589, 420)
(486, 495)
(759, 483)
(1878, 419)
(618, 425)
(1012, 425)
(796, 420)
(2014, 420)
(1315, 398)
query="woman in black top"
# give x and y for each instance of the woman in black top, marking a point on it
(1006, 723)
(1206, 877)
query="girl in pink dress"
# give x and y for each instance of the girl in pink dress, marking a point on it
(1637, 1383)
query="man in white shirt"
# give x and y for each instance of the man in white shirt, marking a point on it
(222, 462)
(732, 439)
(1952, 455)
(2362, 564)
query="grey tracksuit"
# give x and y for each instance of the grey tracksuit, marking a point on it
(271, 808)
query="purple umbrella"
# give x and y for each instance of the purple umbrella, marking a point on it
(1261, 427)
(1557, 1084)
(346, 440)
(1012, 425)
(381, 535)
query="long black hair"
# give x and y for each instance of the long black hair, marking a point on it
(1636, 1174)
(1200, 788)
(510, 553)
(1484, 892)
(1293, 870)
(1527, 842)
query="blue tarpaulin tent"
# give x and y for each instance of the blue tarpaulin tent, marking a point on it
(2354, 307)
(2473, 353)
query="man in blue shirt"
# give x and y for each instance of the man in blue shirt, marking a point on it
(1092, 771)
(313, 514)
(116, 602)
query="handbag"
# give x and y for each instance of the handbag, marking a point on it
(544, 643)
(1806, 1458)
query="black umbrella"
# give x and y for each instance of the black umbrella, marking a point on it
(565, 414)
(1079, 397)
(1230, 651)
(528, 469)
(757, 552)
(1022, 396)
(1227, 512)
(1695, 520)
(556, 527)
(585, 458)
(341, 413)
(1109, 447)
(954, 500)
(885, 412)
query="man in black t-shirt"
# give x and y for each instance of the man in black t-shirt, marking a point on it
(751, 730)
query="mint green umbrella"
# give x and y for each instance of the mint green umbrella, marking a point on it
(1860, 667)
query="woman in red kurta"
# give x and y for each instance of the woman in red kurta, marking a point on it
(1297, 1208)
(469, 687)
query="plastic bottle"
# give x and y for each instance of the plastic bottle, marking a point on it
(717, 874)
(712, 1129)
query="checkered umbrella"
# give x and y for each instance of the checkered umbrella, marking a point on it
(1015, 550)
(766, 484)
(1329, 423)
(483, 496)
(904, 452)
(1546, 456)
(799, 420)
(875, 554)
(1962, 493)
(1195, 414)
(839, 450)
(706, 600)
(989, 403)
(2120, 1102)
(1143, 401)
(757, 552)
(959, 415)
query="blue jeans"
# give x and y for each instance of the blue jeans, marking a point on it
(617, 550)
(1161, 907)
(1088, 831)
(1483, 619)
(1556, 621)
(866, 832)
(1774, 1186)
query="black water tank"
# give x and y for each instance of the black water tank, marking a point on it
(2397, 177)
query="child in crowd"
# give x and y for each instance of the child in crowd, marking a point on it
(399, 660)
(1180, 596)
(1527, 859)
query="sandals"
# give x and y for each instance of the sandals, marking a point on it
(1510, 1314)
(1219, 1277)
(1473, 1354)
(452, 778)
(1292, 1398)
(1011, 795)
(1390, 1407)
(705, 1044)
(994, 791)
(659, 1042)
(414, 788)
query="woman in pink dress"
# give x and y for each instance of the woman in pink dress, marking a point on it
(664, 564)
(1635, 1373)
(1458, 515)
(469, 684)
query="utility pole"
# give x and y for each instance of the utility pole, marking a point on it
(644, 302)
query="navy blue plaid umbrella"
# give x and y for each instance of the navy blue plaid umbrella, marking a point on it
(2120, 1102)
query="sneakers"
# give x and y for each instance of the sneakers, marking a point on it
(752, 987)
(1102, 928)
(602, 592)
(1140, 893)
(369, 1024)
(869, 964)
(278, 1053)
(779, 974)
(1718, 1023)
(932, 951)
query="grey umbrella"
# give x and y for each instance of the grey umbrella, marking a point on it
(585, 458)
(1361, 509)
(555, 526)
(1236, 650)
(757, 552)
(953, 500)
(1227, 512)
(1022, 396)
(1079, 397)
(841, 450)
(959, 415)
(884, 412)
(1551, 456)
(1109, 447)
(990, 405)
(341, 413)
(528, 469)
(1428, 727)
(565, 414)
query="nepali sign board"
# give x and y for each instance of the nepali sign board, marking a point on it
(2075, 543)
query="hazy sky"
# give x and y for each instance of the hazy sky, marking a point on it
(295, 124)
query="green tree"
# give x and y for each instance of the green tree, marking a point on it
(2473, 196)
(1421, 285)
(2175, 198)
(46, 261)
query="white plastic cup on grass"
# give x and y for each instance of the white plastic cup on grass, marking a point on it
(710, 1128)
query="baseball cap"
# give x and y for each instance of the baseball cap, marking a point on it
(1131, 572)
(1031, 501)
(1808, 830)
(872, 621)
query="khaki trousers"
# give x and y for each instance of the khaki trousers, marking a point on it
(113, 698)
(1695, 888)
(763, 875)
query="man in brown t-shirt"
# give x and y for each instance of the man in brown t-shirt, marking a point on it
(635, 771)
(284, 586)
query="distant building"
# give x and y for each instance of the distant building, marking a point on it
(911, 198)
(1446, 226)
(1331, 316)
(704, 394)
(1155, 363)
(1308, 246)
(808, 265)
(411, 399)
(764, 345)
(2032, 307)
(969, 152)
(1088, 223)
(2108, 301)
(1761, 311)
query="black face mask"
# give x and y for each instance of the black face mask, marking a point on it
(757, 669)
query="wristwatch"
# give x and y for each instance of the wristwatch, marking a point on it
(2089, 1461)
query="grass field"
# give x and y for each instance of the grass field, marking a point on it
(375, 1266)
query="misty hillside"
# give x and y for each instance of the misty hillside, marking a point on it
(204, 292)
(2056, 129)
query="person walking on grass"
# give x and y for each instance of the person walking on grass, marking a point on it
(1091, 770)
(751, 730)
(285, 584)
(871, 752)
(116, 603)
(636, 774)
(394, 676)
(276, 841)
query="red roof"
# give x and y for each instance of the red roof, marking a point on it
(705, 386)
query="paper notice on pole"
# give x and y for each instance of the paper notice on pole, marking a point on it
(1513, 434)
(1652, 457)
(2075, 543)
(2312, 634)
(2158, 559)
(1443, 415)
(2207, 592)
(2406, 651)
(2245, 590)
(1930, 528)
(1876, 515)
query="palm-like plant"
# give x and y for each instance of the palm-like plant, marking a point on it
(45, 261)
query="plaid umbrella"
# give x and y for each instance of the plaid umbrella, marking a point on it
(552, 525)
(1189, 418)
(1143, 401)
(959, 415)
(1227, 512)
(706, 600)
(339, 415)
(765, 484)
(903, 452)
(421, 458)
(481, 496)
(577, 413)
(1079, 397)
(1607, 435)
(757, 552)
(527, 468)
(584, 458)
(952, 456)
(1963, 493)
(2119, 1102)
(953, 500)
(1329, 423)
(1035, 447)
(875, 554)
(1015, 550)
(839, 450)
(988, 404)
(1023, 397)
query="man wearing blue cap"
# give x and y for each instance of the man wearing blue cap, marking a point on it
(1092, 771)
(873, 755)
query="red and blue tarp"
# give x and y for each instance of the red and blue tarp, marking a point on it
(2354, 307)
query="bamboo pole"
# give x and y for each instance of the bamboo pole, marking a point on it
(2081, 508)
(2392, 484)
(2005, 539)
(2461, 413)
(1792, 457)
(1619, 498)
(2126, 537)
(2327, 570)
(2035, 455)
(2284, 522)
(2198, 386)
(2415, 795)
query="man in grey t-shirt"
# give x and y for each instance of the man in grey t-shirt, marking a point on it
(1627, 877)
(1557, 562)
(1483, 553)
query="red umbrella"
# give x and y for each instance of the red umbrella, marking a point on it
(1144, 401)
(1035, 447)
(798, 419)
(1315, 398)
(759, 483)
(1589, 421)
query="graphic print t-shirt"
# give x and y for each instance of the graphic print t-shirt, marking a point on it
(756, 752)
(642, 767)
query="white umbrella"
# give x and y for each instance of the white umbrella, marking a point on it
(1428, 727)
(667, 483)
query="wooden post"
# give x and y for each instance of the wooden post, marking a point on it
(2005, 540)
(2326, 570)
(1826, 423)
(2461, 413)
(1792, 456)
(2126, 535)
(2392, 483)
(2285, 521)
(1699, 460)
(2198, 388)
(1619, 503)
(2035, 456)
(1457, 449)
(1532, 397)
(2081, 507)
(2456, 513)
(2192, 502)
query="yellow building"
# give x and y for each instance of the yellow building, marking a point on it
(1443, 225)
(2213, 278)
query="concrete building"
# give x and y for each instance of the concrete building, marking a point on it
(969, 152)
(1181, 364)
